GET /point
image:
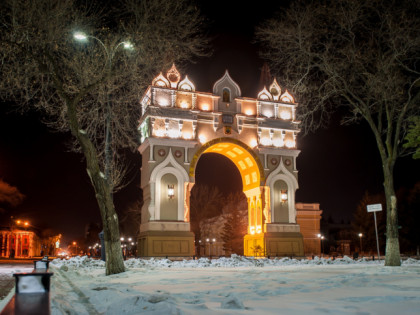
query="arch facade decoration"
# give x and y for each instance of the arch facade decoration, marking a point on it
(179, 125)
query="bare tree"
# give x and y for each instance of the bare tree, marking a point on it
(91, 88)
(362, 56)
(206, 202)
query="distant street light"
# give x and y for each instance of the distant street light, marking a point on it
(210, 241)
(321, 237)
(360, 237)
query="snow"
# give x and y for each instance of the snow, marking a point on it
(236, 285)
(31, 284)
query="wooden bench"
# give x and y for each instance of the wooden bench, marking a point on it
(32, 292)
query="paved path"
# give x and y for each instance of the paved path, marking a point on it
(7, 268)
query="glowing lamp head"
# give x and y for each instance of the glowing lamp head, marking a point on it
(187, 135)
(360, 234)
(290, 143)
(285, 115)
(80, 36)
(160, 133)
(278, 142)
(265, 141)
(128, 45)
(171, 192)
(184, 105)
(283, 195)
(202, 138)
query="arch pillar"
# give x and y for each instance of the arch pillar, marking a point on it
(165, 228)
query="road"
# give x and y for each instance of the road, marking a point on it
(7, 269)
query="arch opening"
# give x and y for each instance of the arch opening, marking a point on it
(251, 173)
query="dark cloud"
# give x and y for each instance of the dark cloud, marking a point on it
(9, 194)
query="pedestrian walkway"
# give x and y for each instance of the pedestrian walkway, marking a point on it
(7, 283)
(7, 268)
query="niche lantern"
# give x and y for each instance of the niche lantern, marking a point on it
(283, 195)
(171, 192)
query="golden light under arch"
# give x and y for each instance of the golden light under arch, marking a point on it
(247, 162)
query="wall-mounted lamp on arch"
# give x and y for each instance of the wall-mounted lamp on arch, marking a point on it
(283, 195)
(171, 192)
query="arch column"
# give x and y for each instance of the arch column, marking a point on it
(165, 228)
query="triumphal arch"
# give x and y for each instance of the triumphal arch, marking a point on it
(179, 124)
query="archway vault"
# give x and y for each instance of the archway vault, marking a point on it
(244, 158)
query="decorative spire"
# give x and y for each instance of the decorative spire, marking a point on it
(173, 76)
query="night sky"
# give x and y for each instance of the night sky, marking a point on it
(336, 166)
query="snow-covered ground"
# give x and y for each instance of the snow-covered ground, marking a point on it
(236, 285)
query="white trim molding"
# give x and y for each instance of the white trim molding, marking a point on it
(281, 173)
(168, 166)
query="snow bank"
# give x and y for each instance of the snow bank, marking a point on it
(235, 285)
(223, 262)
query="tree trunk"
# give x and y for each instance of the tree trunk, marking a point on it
(114, 258)
(392, 251)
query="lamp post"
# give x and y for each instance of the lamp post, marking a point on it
(321, 237)
(75, 248)
(360, 237)
(110, 53)
(210, 241)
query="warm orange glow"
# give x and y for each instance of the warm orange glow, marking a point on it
(253, 143)
(18, 221)
(185, 104)
(74, 243)
(26, 223)
(249, 112)
(205, 107)
(243, 160)
(255, 229)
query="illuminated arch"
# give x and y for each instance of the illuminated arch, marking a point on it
(244, 158)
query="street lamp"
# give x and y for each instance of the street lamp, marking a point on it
(210, 241)
(321, 237)
(110, 53)
(360, 237)
(75, 248)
